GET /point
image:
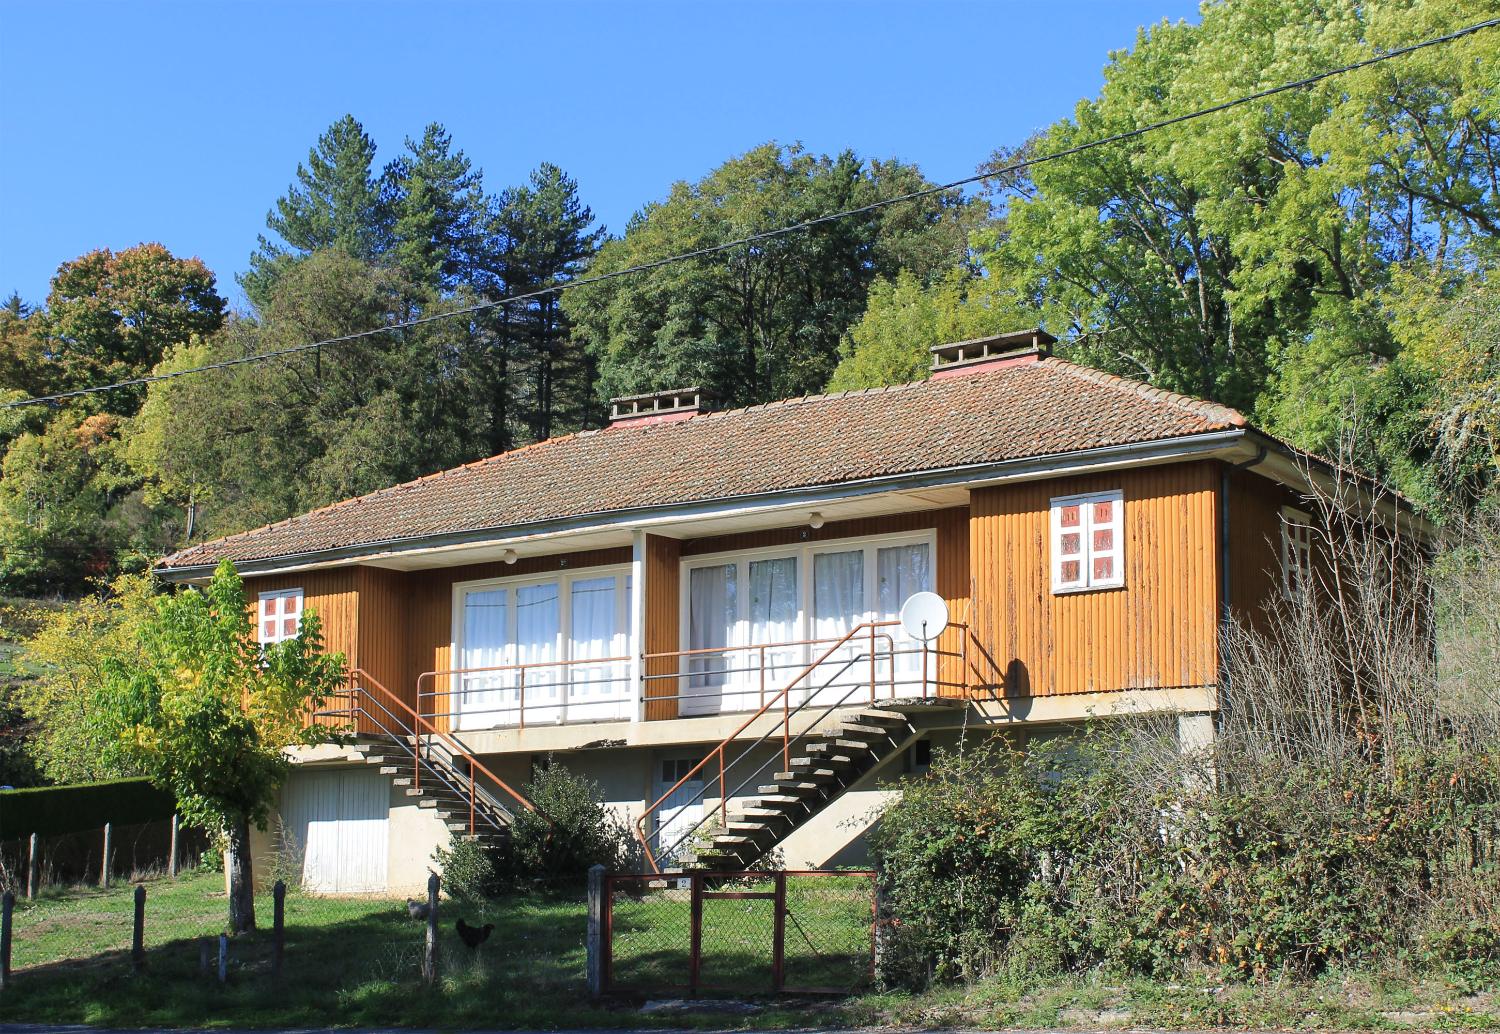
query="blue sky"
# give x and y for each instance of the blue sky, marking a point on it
(182, 122)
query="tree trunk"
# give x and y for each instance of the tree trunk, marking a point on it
(241, 878)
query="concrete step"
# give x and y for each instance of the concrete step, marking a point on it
(880, 716)
(763, 815)
(853, 748)
(824, 778)
(840, 763)
(799, 789)
(861, 731)
(781, 800)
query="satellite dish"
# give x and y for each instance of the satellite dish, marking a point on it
(924, 615)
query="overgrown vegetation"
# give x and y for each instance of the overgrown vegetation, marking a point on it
(1348, 815)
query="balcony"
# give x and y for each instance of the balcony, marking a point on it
(875, 662)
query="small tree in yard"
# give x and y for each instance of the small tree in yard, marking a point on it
(207, 713)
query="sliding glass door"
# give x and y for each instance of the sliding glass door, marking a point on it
(554, 648)
(754, 622)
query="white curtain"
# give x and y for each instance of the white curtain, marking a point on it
(486, 617)
(901, 572)
(713, 607)
(537, 632)
(775, 603)
(591, 614)
(838, 605)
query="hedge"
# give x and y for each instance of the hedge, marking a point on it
(50, 810)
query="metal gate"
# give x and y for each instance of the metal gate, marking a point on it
(807, 931)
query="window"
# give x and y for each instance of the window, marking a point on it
(1296, 551)
(1087, 552)
(570, 633)
(280, 615)
(734, 603)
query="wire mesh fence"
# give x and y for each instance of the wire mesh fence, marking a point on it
(309, 946)
(740, 933)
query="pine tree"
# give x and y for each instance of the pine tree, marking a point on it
(335, 204)
(545, 239)
(438, 208)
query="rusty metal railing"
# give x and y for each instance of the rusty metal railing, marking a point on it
(870, 635)
(430, 749)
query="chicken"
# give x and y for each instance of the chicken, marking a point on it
(416, 909)
(473, 936)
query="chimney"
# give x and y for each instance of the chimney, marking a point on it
(990, 353)
(657, 407)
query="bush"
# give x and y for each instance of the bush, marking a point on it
(553, 848)
(1083, 854)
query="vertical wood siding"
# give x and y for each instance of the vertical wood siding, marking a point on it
(383, 635)
(663, 592)
(333, 594)
(1159, 630)
(1255, 542)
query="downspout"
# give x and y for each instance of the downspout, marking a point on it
(1225, 611)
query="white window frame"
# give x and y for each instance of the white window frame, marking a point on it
(564, 577)
(279, 634)
(1086, 581)
(1296, 551)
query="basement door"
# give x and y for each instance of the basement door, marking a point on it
(337, 822)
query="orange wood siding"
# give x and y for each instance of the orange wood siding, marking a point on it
(662, 615)
(333, 594)
(1159, 630)
(860, 527)
(1255, 541)
(383, 636)
(430, 612)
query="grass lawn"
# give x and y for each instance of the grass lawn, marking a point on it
(355, 962)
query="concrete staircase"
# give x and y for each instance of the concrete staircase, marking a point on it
(826, 763)
(442, 788)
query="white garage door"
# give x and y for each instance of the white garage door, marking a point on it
(339, 822)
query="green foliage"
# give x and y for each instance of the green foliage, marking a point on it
(1073, 855)
(904, 318)
(1250, 257)
(335, 204)
(205, 711)
(50, 810)
(69, 651)
(470, 870)
(571, 831)
(551, 849)
(759, 323)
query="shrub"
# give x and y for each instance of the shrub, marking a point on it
(571, 831)
(550, 849)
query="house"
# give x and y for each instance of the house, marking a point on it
(701, 610)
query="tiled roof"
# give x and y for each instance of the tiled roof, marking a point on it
(1022, 411)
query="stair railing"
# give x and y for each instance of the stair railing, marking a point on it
(416, 737)
(782, 698)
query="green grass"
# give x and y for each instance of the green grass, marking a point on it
(355, 962)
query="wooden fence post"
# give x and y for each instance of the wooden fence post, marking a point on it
(7, 911)
(429, 956)
(172, 849)
(33, 869)
(108, 847)
(278, 926)
(138, 936)
(596, 931)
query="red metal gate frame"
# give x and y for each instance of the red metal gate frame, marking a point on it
(698, 894)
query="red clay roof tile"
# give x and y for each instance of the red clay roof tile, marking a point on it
(1016, 412)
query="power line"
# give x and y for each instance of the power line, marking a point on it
(714, 249)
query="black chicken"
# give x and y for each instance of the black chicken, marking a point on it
(416, 909)
(473, 936)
